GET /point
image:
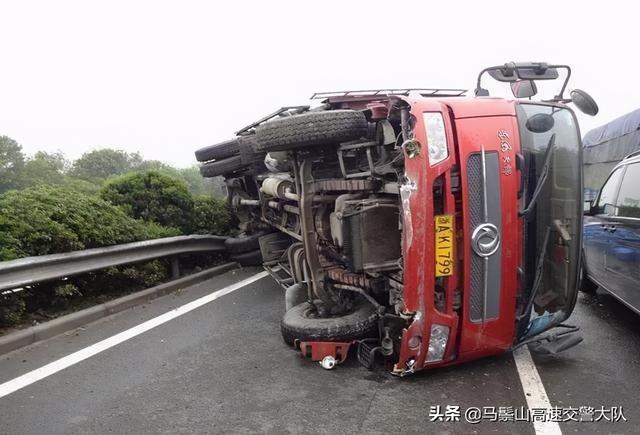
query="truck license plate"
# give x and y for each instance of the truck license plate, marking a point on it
(444, 245)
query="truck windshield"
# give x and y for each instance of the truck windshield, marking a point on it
(553, 227)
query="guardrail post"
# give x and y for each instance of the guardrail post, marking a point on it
(175, 268)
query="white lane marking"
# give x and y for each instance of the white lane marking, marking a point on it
(534, 390)
(74, 358)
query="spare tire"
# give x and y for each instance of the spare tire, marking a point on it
(218, 151)
(221, 167)
(299, 323)
(311, 128)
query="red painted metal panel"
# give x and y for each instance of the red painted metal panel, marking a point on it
(477, 107)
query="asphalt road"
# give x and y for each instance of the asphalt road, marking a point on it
(223, 367)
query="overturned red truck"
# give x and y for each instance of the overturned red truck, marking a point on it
(425, 227)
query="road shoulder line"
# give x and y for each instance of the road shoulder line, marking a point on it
(534, 391)
(60, 325)
(82, 354)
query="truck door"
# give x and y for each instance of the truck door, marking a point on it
(551, 173)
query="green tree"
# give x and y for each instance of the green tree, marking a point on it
(197, 184)
(103, 163)
(148, 165)
(44, 168)
(152, 196)
(55, 160)
(79, 185)
(11, 163)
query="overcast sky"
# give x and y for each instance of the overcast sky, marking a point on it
(165, 78)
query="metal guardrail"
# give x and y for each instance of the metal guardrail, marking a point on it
(32, 270)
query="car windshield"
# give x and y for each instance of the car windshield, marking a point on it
(553, 226)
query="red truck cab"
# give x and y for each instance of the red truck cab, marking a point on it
(485, 187)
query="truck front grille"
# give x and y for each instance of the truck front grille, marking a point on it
(484, 215)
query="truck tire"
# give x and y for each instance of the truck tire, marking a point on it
(311, 128)
(218, 151)
(299, 323)
(248, 145)
(238, 245)
(221, 167)
(251, 155)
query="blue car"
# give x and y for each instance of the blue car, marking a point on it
(612, 235)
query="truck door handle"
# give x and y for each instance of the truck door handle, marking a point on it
(520, 167)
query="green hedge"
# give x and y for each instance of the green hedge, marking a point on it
(155, 196)
(46, 220)
(211, 216)
(151, 196)
(138, 206)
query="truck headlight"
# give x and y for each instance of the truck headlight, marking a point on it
(436, 137)
(437, 343)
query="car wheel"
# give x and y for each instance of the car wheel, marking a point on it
(300, 323)
(311, 128)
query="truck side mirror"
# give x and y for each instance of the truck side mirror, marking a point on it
(587, 207)
(584, 102)
(540, 123)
